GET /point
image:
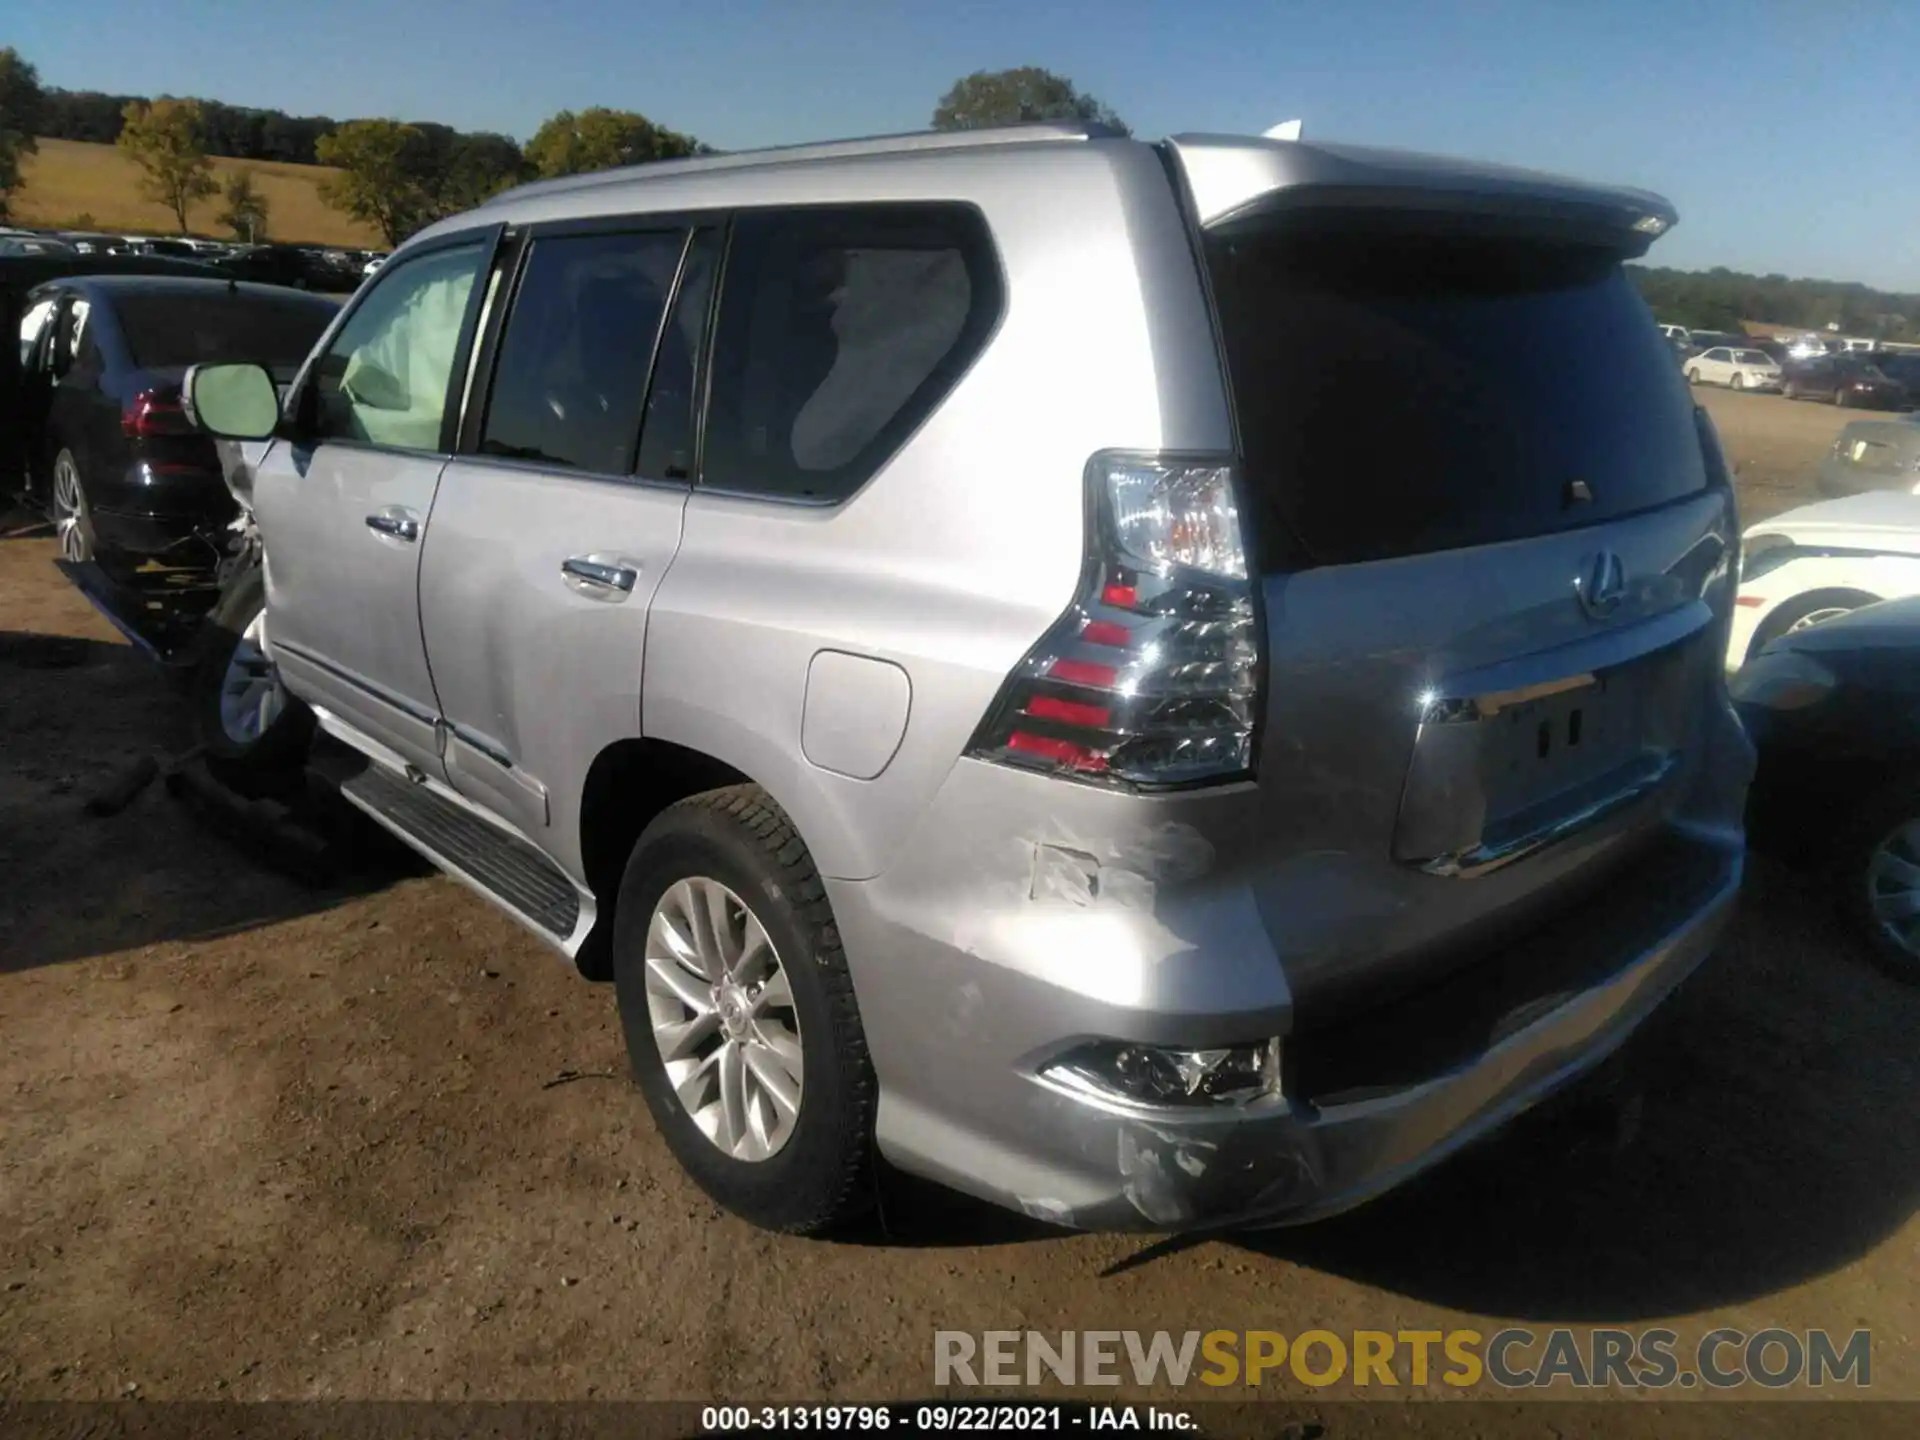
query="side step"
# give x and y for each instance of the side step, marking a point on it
(506, 868)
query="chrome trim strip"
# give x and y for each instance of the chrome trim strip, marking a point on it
(1488, 856)
(380, 693)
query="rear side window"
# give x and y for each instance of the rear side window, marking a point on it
(840, 330)
(1400, 393)
(165, 329)
(572, 372)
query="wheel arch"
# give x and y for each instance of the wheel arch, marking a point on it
(1794, 606)
(628, 784)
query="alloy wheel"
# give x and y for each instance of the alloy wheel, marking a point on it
(251, 695)
(70, 511)
(723, 1017)
(1819, 617)
(1893, 887)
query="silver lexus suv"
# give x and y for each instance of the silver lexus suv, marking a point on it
(1125, 678)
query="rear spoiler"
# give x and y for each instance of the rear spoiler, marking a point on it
(1235, 181)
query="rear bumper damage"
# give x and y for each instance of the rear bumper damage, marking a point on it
(970, 991)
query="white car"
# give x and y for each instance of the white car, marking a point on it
(1821, 561)
(1741, 369)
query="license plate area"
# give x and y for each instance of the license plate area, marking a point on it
(1496, 775)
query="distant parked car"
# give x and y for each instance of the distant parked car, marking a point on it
(1740, 369)
(1821, 561)
(290, 265)
(1701, 340)
(1834, 712)
(33, 245)
(1873, 455)
(1903, 368)
(110, 457)
(1678, 333)
(1845, 379)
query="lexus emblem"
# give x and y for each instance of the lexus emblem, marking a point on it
(1602, 585)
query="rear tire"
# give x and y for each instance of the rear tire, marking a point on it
(1812, 608)
(791, 1153)
(1876, 870)
(255, 735)
(67, 508)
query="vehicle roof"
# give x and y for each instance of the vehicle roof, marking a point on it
(1225, 172)
(108, 286)
(1885, 520)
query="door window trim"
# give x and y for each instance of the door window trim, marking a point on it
(459, 396)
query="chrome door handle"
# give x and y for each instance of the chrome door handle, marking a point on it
(600, 575)
(395, 523)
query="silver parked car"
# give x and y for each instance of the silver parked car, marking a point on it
(1111, 675)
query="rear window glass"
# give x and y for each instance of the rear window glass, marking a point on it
(840, 329)
(164, 330)
(1399, 393)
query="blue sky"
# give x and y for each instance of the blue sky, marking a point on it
(1787, 132)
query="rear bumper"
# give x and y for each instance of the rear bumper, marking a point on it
(1837, 479)
(192, 538)
(969, 991)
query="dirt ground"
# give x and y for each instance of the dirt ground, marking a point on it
(265, 1141)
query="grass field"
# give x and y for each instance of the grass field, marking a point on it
(70, 179)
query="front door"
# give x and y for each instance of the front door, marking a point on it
(345, 506)
(553, 528)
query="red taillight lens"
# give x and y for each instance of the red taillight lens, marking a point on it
(1151, 677)
(154, 412)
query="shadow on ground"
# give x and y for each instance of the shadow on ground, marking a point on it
(1774, 1144)
(76, 714)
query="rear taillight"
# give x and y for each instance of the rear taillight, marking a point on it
(1151, 677)
(154, 412)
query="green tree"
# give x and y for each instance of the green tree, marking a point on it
(380, 176)
(246, 212)
(21, 102)
(164, 139)
(600, 139)
(1017, 97)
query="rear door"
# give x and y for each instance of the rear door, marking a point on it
(557, 520)
(1494, 591)
(344, 509)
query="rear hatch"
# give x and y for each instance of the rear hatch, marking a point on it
(1495, 540)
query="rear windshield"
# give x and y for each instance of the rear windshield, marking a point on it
(1399, 393)
(165, 330)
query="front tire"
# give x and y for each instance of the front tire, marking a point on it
(1739, 381)
(739, 1014)
(255, 735)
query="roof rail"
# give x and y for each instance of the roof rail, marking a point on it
(904, 144)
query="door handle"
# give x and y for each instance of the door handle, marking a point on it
(599, 574)
(395, 522)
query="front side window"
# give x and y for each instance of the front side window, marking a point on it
(840, 329)
(572, 372)
(384, 379)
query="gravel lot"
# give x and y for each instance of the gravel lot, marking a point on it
(263, 1141)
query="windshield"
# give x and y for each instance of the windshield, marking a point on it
(173, 329)
(1430, 410)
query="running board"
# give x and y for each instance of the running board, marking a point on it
(502, 867)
